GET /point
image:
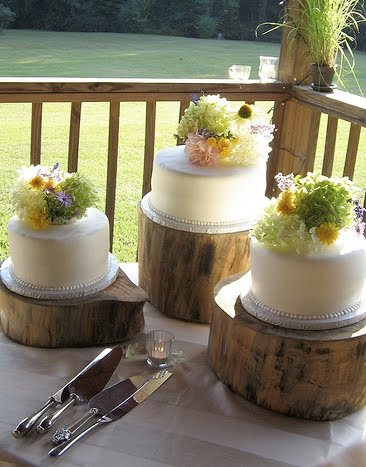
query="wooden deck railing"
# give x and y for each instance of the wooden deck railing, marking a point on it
(297, 114)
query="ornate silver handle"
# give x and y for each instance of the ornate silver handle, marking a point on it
(47, 422)
(28, 423)
(59, 450)
(64, 434)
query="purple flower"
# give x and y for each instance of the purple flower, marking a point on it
(359, 210)
(206, 134)
(64, 199)
(360, 228)
(284, 182)
(195, 98)
(55, 167)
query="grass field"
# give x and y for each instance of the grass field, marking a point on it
(56, 54)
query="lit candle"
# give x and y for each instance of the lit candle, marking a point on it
(159, 352)
(159, 347)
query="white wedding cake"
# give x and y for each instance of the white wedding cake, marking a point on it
(216, 181)
(308, 256)
(59, 247)
(220, 195)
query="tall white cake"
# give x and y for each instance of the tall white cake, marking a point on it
(196, 195)
(308, 257)
(217, 179)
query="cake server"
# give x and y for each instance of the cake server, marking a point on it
(97, 373)
(102, 403)
(121, 406)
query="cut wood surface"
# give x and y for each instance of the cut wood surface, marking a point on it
(179, 270)
(319, 375)
(112, 315)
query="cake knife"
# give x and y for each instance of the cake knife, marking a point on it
(98, 371)
(101, 403)
(121, 408)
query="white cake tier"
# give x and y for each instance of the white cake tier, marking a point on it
(62, 256)
(223, 195)
(326, 286)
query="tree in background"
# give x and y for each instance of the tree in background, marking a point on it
(6, 17)
(231, 19)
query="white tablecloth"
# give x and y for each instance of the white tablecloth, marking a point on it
(192, 420)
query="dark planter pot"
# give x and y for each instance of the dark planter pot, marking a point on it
(322, 77)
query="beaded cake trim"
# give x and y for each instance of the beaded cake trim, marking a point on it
(196, 226)
(349, 315)
(17, 285)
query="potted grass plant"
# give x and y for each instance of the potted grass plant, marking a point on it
(328, 31)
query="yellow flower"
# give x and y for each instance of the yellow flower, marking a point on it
(224, 148)
(38, 220)
(37, 182)
(327, 233)
(50, 185)
(211, 141)
(286, 205)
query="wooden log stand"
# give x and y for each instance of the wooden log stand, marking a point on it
(318, 375)
(179, 269)
(112, 315)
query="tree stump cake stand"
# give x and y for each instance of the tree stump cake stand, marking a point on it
(179, 269)
(318, 375)
(112, 315)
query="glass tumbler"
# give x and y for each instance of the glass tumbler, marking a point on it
(159, 348)
(268, 68)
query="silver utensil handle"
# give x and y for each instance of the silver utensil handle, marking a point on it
(59, 450)
(28, 423)
(64, 434)
(50, 420)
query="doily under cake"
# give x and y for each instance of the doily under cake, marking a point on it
(196, 226)
(313, 322)
(13, 283)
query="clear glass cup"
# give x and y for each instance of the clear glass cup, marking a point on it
(159, 348)
(239, 72)
(268, 69)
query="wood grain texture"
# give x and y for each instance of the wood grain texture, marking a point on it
(112, 315)
(319, 375)
(179, 270)
(74, 137)
(36, 133)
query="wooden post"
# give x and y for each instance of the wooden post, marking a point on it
(298, 126)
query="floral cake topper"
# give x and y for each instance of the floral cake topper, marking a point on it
(47, 195)
(215, 132)
(309, 214)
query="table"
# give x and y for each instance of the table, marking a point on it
(192, 420)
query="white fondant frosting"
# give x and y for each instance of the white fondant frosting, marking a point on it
(62, 256)
(318, 286)
(220, 195)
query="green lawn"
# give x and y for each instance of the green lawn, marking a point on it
(57, 54)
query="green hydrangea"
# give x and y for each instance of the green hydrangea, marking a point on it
(317, 201)
(211, 113)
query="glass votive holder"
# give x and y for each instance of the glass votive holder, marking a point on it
(268, 68)
(239, 72)
(159, 348)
